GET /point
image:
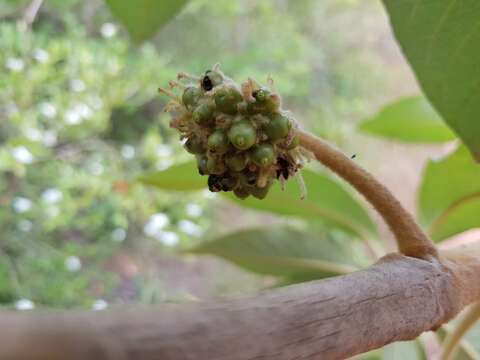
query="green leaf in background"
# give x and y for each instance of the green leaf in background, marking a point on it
(411, 119)
(143, 18)
(326, 200)
(282, 252)
(449, 198)
(181, 177)
(465, 349)
(441, 40)
(400, 350)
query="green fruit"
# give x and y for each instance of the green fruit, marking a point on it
(258, 192)
(241, 192)
(194, 146)
(261, 95)
(263, 155)
(227, 100)
(236, 162)
(211, 79)
(215, 167)
(242, 135)
(202, 165)
(265, 102)
(204, 112)
(218, 142)
(190, 97)
(278, 127)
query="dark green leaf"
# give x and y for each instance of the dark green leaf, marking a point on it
(411, 119)
(282, 252)
(181, 177)
(143, 18)
(449, 199)
(326, 200)
(441, 40)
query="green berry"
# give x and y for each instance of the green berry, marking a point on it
(293, 144)
(263, 155)
(194, 145)
(227, 99)
(236, 162)
(241, 192)
(218, 142)
(204, 112)
(259, 192)
(190, 97)
(211, 79)
(202, 164)
(261, 95)
(215, 167)
(265, 102)
(242, 135)
(278, 127)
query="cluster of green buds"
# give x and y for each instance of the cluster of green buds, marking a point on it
(241, 137)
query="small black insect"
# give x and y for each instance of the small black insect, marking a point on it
(215, 183)
(353, 156)
(207, 83)
(285, 168)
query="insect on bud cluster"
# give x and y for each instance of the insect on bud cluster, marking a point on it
(241, 137)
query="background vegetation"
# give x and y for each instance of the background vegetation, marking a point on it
(82, 134)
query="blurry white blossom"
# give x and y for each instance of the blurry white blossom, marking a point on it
(108, 30)
(164, 150)
(99, 304)
(119, 235)
(128, 151)
(73, 263)
(21, 204)
(48, 110)
(22, 155)
(167, 238)
(49, 138)
(193, 210)
(24, 304)
(155, 224)
(33, 134)
(96, 168)
(52, 195)
(77, 85)
(40, 55)
(14, 64)
(190, 228)
(72, 117)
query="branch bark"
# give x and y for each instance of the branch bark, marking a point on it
(396, 299)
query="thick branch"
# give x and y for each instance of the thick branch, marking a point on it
(411, 239)
(396, 299)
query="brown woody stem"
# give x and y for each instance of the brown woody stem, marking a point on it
(411, 239)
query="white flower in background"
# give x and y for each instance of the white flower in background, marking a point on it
(128, 151)
(14, 64)
(83, 109)
(193, 210)
(96, 168)
(77, 85)
(108, 30)
(99, 304)
(33, 134)
(21, 204)
(164, 150)
(167, 238)
(72, 117)
(73, 263)
(190, 228)
(40, 55)
(24, 304)
(48, 110)
(24, 225)
(155, 224)
(52, 195)
(119, 235)
(163, 164)
(22, 155)
(49, 138)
